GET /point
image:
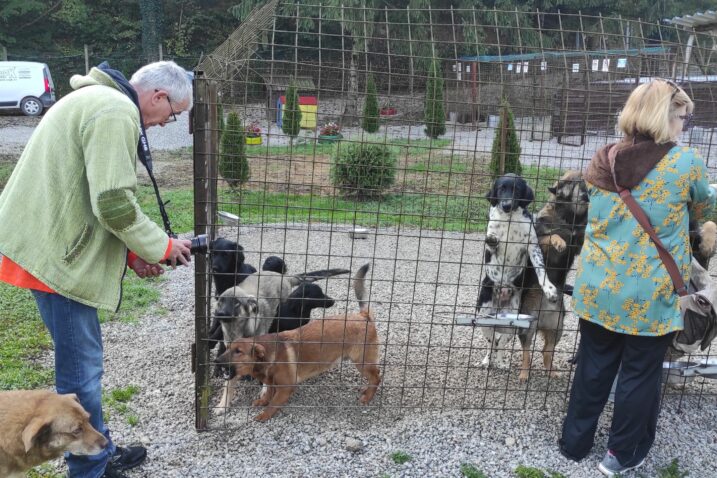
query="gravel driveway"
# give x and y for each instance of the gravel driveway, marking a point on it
(323, 432)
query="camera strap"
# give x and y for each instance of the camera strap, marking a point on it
(143, 152)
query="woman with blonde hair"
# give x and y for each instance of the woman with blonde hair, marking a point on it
(624, 295)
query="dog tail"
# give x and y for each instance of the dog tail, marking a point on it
(316, 275)
(360, 289)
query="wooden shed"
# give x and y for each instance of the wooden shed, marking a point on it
(276, 86)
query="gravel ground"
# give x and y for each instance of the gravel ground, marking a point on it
(323, 431)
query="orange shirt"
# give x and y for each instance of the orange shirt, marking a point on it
(15, 275)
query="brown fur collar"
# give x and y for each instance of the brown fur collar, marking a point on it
(635, 158)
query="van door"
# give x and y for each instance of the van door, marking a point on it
(9, 86)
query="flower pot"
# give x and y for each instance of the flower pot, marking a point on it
(329, 138)
(253, 140)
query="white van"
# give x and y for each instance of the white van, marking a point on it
(27, 86)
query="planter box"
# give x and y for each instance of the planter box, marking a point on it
(253, 140)
(329, 138)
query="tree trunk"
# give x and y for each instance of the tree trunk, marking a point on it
(152, 14)
(350, 115)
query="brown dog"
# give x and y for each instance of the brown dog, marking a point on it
(39, 425)
(282, 361)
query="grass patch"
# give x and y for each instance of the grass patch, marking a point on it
(137, 296)
(23, 337)
(46, 470)
(180, 207)
(672, 470)
(532, 472)
(400, 457)
(117, 401)
(452, 164)
(427, 211)
(6, 169)
(470, 471)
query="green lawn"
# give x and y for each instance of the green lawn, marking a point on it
(23, 338)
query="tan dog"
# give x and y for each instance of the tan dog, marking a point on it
(39, 425)
(282, 361)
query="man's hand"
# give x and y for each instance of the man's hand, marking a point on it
(180, 252)
(144, 269)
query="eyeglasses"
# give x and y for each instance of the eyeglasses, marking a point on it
(687, 121)
(675, 88)
(172, 118)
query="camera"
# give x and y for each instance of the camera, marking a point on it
(200, 245)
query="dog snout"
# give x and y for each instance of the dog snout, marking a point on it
(506, 205)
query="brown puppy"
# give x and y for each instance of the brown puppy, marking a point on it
(39, 425)
(282, 361)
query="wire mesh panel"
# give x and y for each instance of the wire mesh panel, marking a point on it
(406, 119)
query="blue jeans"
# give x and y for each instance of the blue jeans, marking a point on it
(75, 331)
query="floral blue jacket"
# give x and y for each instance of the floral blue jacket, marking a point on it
(621, 283)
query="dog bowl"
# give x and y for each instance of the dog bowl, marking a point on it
(228, 218)
(359, 233)
(678, 373)
(707, 368)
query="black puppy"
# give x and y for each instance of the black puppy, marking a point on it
(228, 266)
(275, 264)
(295, 311)
(228, 270)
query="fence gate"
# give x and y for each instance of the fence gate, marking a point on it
(368, 186)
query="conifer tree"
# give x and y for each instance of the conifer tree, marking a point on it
(434, 114)
(370, 122)
(233, 163)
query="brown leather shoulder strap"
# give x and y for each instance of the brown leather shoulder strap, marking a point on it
(644, 221)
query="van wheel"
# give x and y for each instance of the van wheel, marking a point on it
(31, 106)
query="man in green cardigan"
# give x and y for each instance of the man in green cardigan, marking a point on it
(71, 224)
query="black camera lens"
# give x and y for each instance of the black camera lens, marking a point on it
(200, 244)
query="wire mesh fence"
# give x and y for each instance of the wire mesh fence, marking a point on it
(406, 197)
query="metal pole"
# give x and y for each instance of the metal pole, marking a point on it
(87, 60)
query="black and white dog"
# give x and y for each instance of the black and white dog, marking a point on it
(511, 241)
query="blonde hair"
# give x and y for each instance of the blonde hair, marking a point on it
(651, 107)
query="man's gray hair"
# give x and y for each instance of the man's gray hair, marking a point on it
(167, 76)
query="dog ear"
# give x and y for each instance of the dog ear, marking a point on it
(491, 195)
(527, 198)
(258, 351)
(35, 431)
(553, 189)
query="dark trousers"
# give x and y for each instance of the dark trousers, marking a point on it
(637, 396)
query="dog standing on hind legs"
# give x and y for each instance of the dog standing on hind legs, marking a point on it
(511, 247)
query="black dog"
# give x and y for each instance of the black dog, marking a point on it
(275, 264)
(295, 311)
(228, 266)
